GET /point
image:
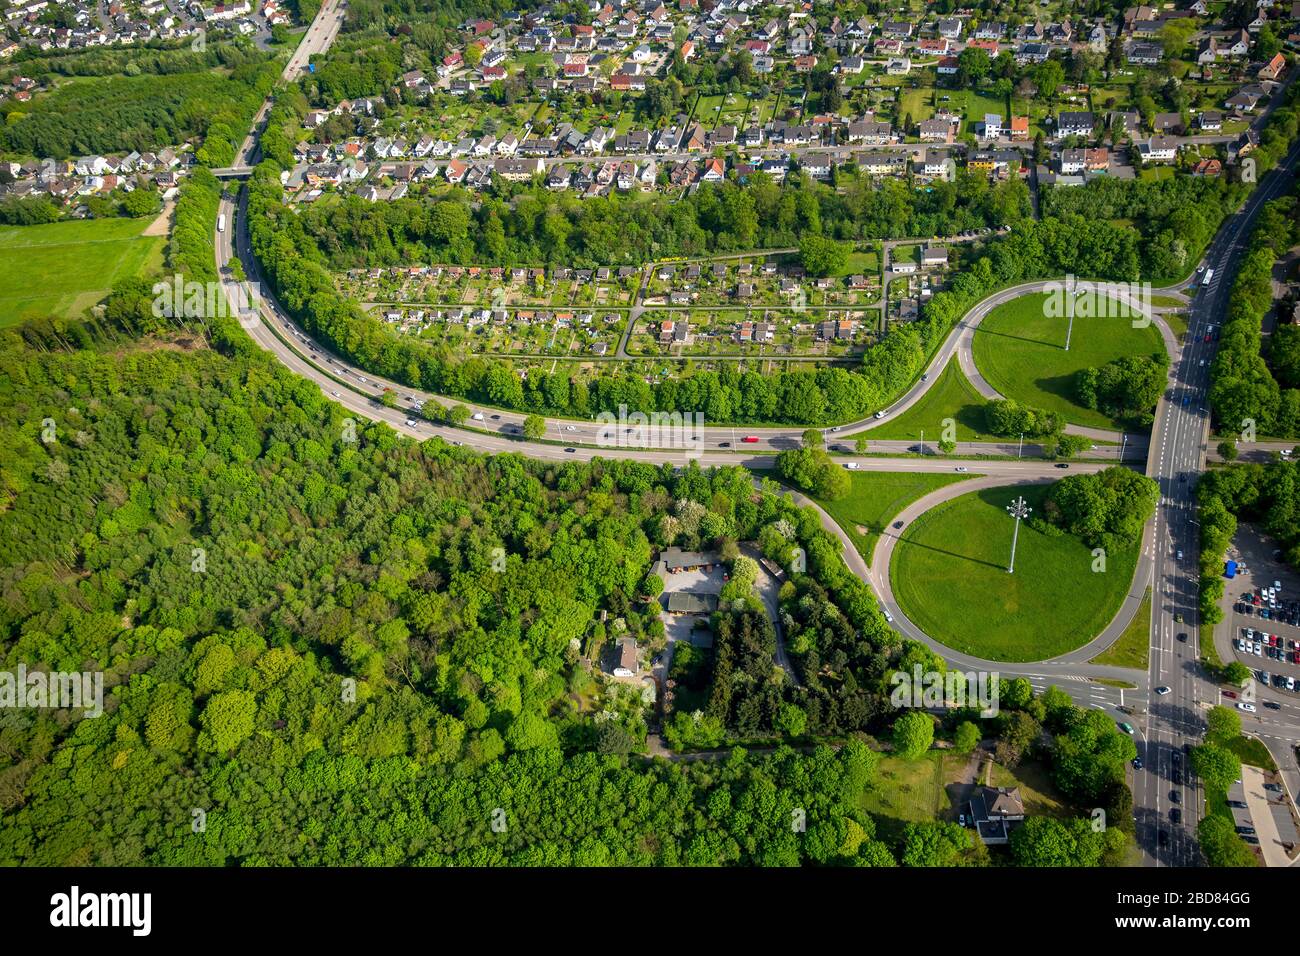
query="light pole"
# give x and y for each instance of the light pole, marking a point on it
(1021, 446)
(1123, 445)
(922, 443)
(1069, 310)
(1017, 509)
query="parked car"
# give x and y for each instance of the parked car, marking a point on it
(1248, 708)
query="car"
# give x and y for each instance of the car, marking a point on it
(1256, 649)
(879, 415)
(1207, 337)
(335, 394)
(889, 617)
(571, 450)
(1062, 464)
(851, 465)
(1231, 694)
(1178, 617)
(410, 423)
(750, 439)
(1245, 830)
(1272, 705)
(1273, 787)
(496, 418)
(1185, 400)
(1162, 691)
(961, 819)
(1175, 815)
(925, 376)
(1252, 840)
(1237, 804)
(570, 428)
(1182, 637)
(724, 444)
(1175, 796)
(1176, 774)
(1201, 267)
(898, 524)
(1180, 555)
(1177, 757)
(1162, 837)
(1137, 763)
(1248, 708)
(1201, 364)
(836, 428)
(961, 469)
(1127, 728)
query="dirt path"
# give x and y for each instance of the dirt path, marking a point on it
(161, 226)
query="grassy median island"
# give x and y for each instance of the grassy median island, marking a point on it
(949, 396)
(1019, 349)
(949, 575)
(1133, 647)
(61, 269)
(876, 497)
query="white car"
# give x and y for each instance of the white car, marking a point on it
(410, 423)
(888, 617)
(1162, 691)
(1259, 649)
(962, 468)
(880, 415)
(851, 465)
(335, 394)
(570, 428)
(1248, 708)
(1290, 683)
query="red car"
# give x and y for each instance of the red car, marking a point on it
(750, 439)
(1229, 693)
(1207, 336)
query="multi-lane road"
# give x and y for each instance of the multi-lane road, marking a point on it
(1175, 455)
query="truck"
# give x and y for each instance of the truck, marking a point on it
(221, 223)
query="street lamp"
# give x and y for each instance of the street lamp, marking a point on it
(1123, 445)
(1021, 446)
(1017, 509)
(1069, 310)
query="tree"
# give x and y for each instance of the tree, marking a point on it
(813, 438)
(227, 721)
(821, 256)
(1222, 725)
(457, 415)
(934, 843)
(1236, 673)
(534, 427)
(967, 737)
(1228, 449)
(860, 444)
(1220, 844)
(1217, 766)
(913, 734)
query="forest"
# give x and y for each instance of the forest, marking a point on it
(1245, 395)
(312, 654)
(118, 114)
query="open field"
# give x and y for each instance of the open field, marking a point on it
(876, 498)
(63, 268)
(949, 575)
(1020, 351)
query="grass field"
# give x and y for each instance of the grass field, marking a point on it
(876, 498)
(950, 396)
(949, 575)
(1133, 649)
(1020, 351)
(63, 268)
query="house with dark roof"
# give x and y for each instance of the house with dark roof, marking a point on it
(994, 812)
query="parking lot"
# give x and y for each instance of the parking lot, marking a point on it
(1264, 614)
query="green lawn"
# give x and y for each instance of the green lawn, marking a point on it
(1020, 351)
(1133, 648)
(950, 396)
(63, 268)
(949, 574)
(876, 498)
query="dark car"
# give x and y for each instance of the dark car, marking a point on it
(724, 444)
(1176, 774)
(1062, 464)
(898, 524)
(1175, 815)
(1182, 637)
(1175, 796)
(1162, 837)
(570, 450)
